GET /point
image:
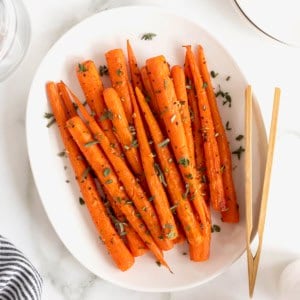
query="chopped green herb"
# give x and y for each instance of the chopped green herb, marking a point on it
(91, 143)
(215, 228)
(160, 174)
(144, 208)
(227, 126)
(103, 70)
(158, 263)
(239, 152)
(150, 199)
(213, 74)
(109, 181)
(203, 179)
(119, 199)
(147, 98)
(106, 172)
(134, 143)
(85, 173)
(227, 99)
(171, 235)
(188, 87)
(148, 36)
(173, 208)
(62, 153)
(119, 72)
(48, 115)
(164, 143)
(106, 115)
(81, 201)
(239, 137)
(51, 123)
(222, 169)
(187, 190)
(184, 161)
(82, 68)
(167, 226)
(204, 85)
(188, 176)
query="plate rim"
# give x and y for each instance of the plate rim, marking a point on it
(30, 144)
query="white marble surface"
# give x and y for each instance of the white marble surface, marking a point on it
(266, 63)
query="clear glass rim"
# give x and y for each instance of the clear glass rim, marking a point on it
(9, 27)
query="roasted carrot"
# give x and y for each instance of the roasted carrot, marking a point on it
(180, 86)
(174, 183)
(168, 108)
(92, 88)
(135, 244)
(107, 176)
(154, 179)
(211, 151)
(65, 97)
(135, 73)
(122, 131)
(132, 187)
(118, 75)
(231, 215)
(114, 244)
(197, 134)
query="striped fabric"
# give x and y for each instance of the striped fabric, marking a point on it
(19, 280)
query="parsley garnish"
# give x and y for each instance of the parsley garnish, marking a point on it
(173, 208)
(164, 143)
(48, 115)
(85, 173)
(239, 137)
(215, 228)
(106, 115)
(134, 143)
(204, 85)
(148, 36)
(91, 143)
(213, 74)
(160, 174)
(51, 122)
(227, 126)
(81, 201)
(119, 72)
(184, 161)
(62, 153)
(187, 190)
(106, 172)
(82, 68)
(103, 70)
(239, 152)
(109, 181)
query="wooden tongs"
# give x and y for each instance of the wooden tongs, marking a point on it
(253, 260)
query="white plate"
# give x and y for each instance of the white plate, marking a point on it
(279, 19)
(90, 40)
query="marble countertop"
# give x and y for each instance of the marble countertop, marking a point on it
(266, 64)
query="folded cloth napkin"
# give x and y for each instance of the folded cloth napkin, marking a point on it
(19, 280)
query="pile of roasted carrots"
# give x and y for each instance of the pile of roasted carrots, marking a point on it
(155, 142)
